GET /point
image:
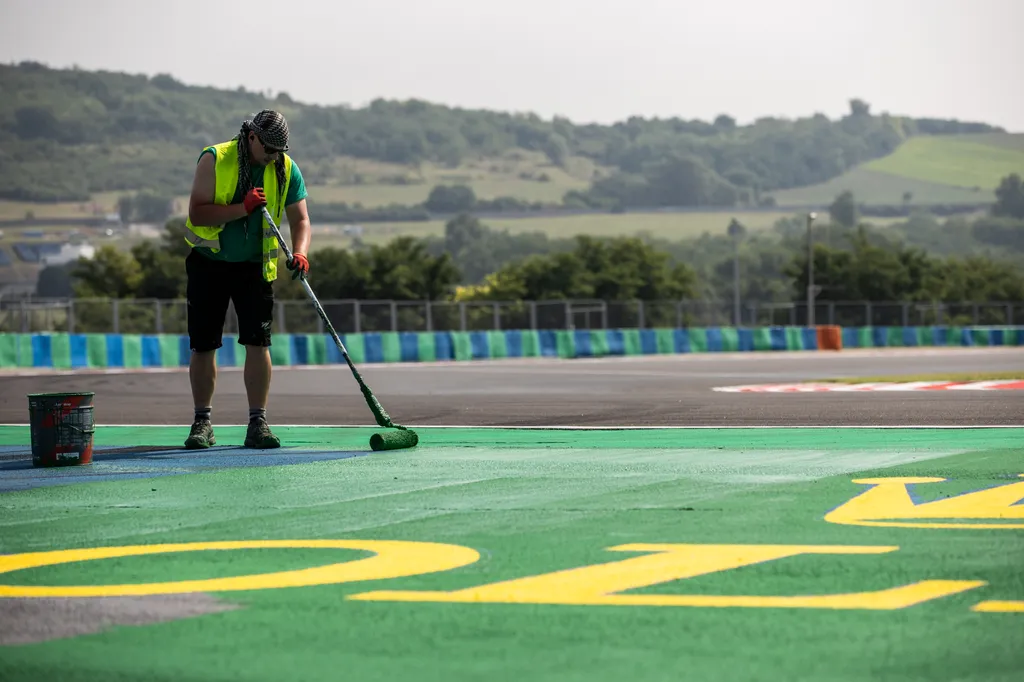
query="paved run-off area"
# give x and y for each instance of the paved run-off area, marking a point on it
(514, 554)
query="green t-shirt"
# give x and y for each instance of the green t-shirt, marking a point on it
(242, 239)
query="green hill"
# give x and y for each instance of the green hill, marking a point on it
(947, 169)
(66, 135)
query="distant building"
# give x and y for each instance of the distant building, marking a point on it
(68, 253)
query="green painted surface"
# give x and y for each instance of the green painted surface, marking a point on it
(391, 347)
(698, 340)
(535, 501)
(60, 351)
(665, 340)
(794, 338)
(762, 339)
(427, 344)
(730, 340)
(598, 343)
(132, 350)
(498, 344)
(631, 342)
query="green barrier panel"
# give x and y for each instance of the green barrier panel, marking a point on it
(794, 338)
(316, 348)
(894, 337)
(96, 349)
(865, 339)
(925, 336)
(462, 347)
(355, 346)
(981, 337)
(280, 351)
(665, 340)
(598, 342)
(730, 339)
(8, 350)
(498, 343)
(631, 342)
(954, 336)
(170, 355)
(132, 350)
(531, 344)
(698, 340)
(565, 344)
(426, 345)
(391, 347)
(762, 338)
(60, 351)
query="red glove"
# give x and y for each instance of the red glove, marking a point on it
(254, 199)
(300, 264)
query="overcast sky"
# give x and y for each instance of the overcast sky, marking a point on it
(589, 60)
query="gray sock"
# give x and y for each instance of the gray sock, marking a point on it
(255, 412)
(203, 413)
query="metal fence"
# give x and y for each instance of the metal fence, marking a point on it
(133, 316)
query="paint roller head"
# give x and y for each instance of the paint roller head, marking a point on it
(394, 440)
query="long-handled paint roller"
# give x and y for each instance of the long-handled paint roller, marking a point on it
(390, 440)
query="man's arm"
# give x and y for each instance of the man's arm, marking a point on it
(201, 209)
(298, 222)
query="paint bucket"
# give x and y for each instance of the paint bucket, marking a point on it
(62, 427)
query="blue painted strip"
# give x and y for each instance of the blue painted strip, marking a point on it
(648, 342)
(42, 351)
(184, 350)
(778, 336)
(584, 349)
(374, 347)
(443, 347)
(548, 343)
(714, 335)
(514, 343)
(682, 340)
(115, 350)
(479, 346)
(409, 346)
(79, 351)
(746, 339)
(939, 335)
(996, 338)
(616, 342)
(966, 339)
(300, 349)
(810, 335)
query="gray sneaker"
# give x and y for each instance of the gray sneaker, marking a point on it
(201, 435)
(259, 435)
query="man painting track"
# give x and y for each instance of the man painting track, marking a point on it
(234, 258)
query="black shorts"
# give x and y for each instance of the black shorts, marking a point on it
(211, 284)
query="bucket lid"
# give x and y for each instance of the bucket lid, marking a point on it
(61, 395)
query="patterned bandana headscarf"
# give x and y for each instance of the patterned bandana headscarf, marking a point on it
(272, 130)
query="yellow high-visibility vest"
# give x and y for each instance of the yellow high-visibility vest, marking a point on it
(226, 170)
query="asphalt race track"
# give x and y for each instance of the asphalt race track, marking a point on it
(636, 391)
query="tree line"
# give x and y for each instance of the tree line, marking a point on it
(921, 259)
(82, 132)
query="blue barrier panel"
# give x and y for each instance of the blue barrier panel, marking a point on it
(42, 351)
(409, 345)
(79, 351)
(583, 345)
(479, 345)
(151, 355)
(374, 348)
(300, 349)
(184, 351)
(648, 342)
(115, 350)
(616, 342)
(714, 336)
(514, 343)
(682, 339)
(746, 339)
(810, 335)
(548, 343)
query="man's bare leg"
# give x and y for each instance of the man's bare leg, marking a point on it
(257, 375)
(202, 374)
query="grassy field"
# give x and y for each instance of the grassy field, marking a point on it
(874, 187)
(962, 161)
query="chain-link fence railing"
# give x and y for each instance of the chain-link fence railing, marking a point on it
(152, 316)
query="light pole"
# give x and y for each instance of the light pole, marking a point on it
(810, 270)
(736, 231)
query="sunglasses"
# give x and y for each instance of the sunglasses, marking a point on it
(271, 150)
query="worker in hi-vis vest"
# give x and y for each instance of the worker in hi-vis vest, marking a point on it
(234, 258)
